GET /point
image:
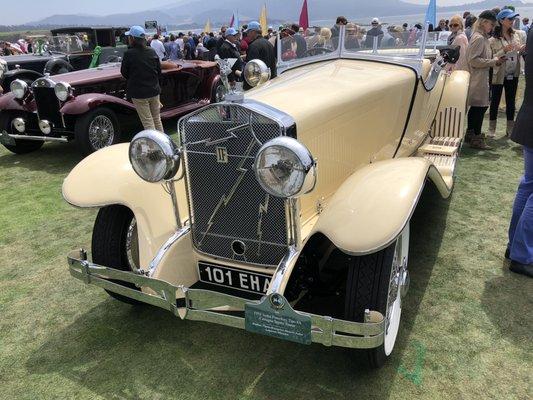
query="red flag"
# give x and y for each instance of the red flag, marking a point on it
(232, 20)
(304, 16)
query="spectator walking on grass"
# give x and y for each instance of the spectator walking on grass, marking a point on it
(141, 68)
(480, 60)
(158, 47)
(505, 42)
(520, 247)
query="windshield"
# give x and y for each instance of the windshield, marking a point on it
(60, 44)
(380, 42)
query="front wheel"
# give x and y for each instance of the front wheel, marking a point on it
(115, 244)
(21, 146)
(378, 282)
(96, 129)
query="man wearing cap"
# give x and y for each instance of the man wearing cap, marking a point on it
(260, 48)
(141, 68)
(229, 51)
(373, 32)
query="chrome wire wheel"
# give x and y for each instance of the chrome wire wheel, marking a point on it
(399, 281)
(101, 132)
(132, 246)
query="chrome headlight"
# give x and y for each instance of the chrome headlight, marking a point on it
(63, 91)
(154, 156)
(285, 168)
(19, 88)
(256, 73)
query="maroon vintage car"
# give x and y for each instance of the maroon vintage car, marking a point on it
(91, 107)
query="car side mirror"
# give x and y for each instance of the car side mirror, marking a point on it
(450, 54)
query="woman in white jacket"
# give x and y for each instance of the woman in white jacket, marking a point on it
(458, 38)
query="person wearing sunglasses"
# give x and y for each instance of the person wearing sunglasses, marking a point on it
(505, 42)
(480, 61)
(458, 38)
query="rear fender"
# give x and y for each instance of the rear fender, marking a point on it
(372, 207)
(86, 102)
(106, 177)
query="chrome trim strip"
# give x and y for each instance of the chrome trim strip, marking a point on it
(201, 305)
(156, 261)
(279, 280)
(41, 138)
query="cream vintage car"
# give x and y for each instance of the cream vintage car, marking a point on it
(285, 210)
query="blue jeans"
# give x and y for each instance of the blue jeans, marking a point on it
(521, 228)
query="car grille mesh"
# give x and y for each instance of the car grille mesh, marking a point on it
(47, 105)
(228, 207)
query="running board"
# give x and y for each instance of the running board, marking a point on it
(442, 152)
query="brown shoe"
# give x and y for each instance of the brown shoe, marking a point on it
(468, 136)
(478, 142)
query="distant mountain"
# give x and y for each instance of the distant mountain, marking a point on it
(198, 11)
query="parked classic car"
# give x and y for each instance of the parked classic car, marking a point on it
(91, 107)
(284, 211)
(68, 49)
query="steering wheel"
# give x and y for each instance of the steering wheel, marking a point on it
(316, 51)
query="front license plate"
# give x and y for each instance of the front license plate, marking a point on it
(6, 139)
(234, 278)
(281, 322)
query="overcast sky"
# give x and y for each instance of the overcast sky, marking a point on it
(17, 12)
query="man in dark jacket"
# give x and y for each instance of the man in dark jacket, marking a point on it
(520, 247)
(230, 51)
(301, 44)
(373, 32)
(260, 48)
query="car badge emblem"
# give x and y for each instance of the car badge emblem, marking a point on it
(277, 301)
(222, 155)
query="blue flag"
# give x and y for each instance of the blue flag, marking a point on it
(431, 14)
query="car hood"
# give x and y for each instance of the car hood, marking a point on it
(112, 71)
(317, 93)
(24, 58)
(347, 112)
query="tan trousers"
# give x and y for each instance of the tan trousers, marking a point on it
(149, 112)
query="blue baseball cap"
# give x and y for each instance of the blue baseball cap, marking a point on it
(507, 13)
(231, 32)
(254, 26)
(136, 31)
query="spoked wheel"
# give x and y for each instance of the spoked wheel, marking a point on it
(115, 243)
(378, 282)
(96, 129)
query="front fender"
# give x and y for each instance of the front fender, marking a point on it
(371, 208)
(85, 102)
(106, 177)
(9, 102)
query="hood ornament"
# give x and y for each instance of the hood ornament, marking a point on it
(234, 92)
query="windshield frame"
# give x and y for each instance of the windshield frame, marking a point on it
(413, 61)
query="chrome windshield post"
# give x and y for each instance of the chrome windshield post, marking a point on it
(423, 41)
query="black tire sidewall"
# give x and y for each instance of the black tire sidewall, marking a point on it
(108, 244)
(81, 129)
(367, 287)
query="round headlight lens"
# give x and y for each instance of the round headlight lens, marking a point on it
(63, 91)
(19, 88)
(285, 168)
(256, 73)
(154, 156)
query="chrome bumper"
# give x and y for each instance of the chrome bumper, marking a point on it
(9, 138)
(200, 305)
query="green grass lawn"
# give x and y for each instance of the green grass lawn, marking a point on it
(466, 330)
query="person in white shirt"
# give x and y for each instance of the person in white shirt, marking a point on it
(180, 41)
(158, 46)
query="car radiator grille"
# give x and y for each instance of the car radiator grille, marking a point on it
(47, 105)
(228, 207)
